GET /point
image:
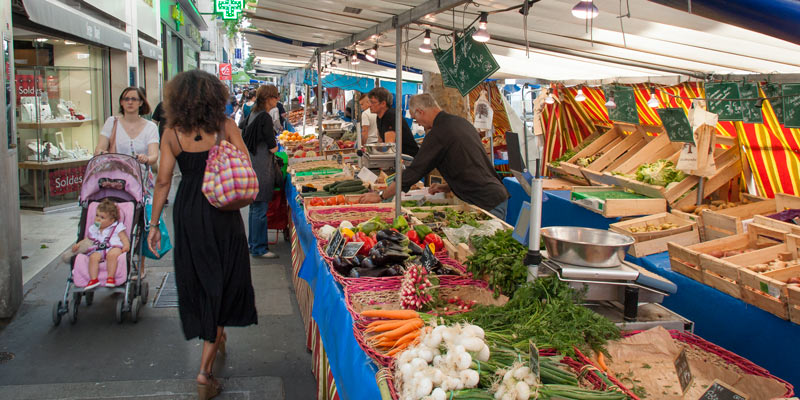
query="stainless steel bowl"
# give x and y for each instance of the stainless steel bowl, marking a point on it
(586, 247)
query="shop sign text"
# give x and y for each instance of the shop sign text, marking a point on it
(66, 180)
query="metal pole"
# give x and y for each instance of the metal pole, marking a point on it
(491, 124)
(319, 100)
(305, 107)
(398, 121)
(524, 124)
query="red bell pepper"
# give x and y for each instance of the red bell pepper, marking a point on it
(413, 236)
(368, 243)
(435, 239)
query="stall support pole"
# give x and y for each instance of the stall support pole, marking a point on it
(524, 123)
(534, 256)
(319, 100)
(490, 132)
(398, 121)
(305, 107)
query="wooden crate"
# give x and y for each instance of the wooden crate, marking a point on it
(699, 216)
(352, 198)
(794, 314)
(765, 302)
(656, 242)
(612, 208)
(689, 270)
(426, 211)
(733, 220)
(793, 295)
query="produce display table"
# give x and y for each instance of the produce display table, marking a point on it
(719, 318)
(352, 370)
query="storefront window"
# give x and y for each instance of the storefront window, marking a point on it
(59, 113)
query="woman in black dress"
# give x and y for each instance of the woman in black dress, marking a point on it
(212, 262)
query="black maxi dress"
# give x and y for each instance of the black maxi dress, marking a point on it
(212, 261)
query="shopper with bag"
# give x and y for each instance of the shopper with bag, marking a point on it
(131, 134)
(212, 264)
(259, 136)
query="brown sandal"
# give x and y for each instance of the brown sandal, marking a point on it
(210, 389)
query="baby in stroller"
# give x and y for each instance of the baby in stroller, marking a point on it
(108, 240)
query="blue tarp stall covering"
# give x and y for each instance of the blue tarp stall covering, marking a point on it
(776, 18)
(353, 371)
(345, 82)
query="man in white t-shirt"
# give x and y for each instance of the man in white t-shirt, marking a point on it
(369, 122)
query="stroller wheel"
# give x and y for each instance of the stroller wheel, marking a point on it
(72, 310)
(286, 235)
(135, 305)
(76, 299)
(119, 308)
(57, 313)
(89, 298)
(145, 291)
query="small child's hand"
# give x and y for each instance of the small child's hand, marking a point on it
(75, 248)
(125, 248)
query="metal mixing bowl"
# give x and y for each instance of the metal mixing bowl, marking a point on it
(586, 247)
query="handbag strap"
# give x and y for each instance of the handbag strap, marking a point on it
(112, 140)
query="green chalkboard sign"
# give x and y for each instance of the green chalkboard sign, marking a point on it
(791, 105)
(473, 63)
(773, 93)
(751, 112)
(727, 110)
(624, 97)
(676, 124)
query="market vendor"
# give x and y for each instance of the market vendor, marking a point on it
(453, 146)
(379, 101)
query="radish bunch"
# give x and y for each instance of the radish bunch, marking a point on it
(418, 288)
(459, 304)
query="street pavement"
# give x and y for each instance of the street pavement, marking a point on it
(97, 358)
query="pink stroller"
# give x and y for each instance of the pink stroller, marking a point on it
(117, 177)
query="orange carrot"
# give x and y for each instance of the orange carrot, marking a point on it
(407, 338)
(386, 325)
(396, 350)
(412, 325)
(601, 360)
(390, 314)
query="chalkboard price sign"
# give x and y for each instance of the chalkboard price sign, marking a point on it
(473, 63)
(791, 105)
(772, 91)
(336, 244)
(684, 372)
(721, 391)
(428, 260)
(726, 109)
(625, 99)
(351, 249)
(750, 109)
(677, 125)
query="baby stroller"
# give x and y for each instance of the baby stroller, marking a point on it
(117, 177)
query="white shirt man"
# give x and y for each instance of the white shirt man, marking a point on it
(369, 123)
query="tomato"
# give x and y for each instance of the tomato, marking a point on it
(316, 202)
(331, 201)
(340, 200)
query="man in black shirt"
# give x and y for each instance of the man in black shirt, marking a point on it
(453, 146)
(379, 101)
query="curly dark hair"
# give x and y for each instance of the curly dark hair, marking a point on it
(144, 108)
(109, 207)
(195, 101)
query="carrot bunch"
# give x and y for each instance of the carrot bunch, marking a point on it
(393, 331)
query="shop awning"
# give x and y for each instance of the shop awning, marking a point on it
(58, 16)
(150, 50)
(241, 78)
(408, 88)
(345, 82)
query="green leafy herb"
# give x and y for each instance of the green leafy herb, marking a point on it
(659, 173)
(500, 258)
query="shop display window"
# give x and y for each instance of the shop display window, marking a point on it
(59, 113)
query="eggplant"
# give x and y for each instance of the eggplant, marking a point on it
(416, 250)
(354, 273)
(369, 272)
(391, 236)
(388, 245)
(367, 263)
(394, 270)
(341, 265)
(394, 257)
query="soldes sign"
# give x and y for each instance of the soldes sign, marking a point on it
(67, 180)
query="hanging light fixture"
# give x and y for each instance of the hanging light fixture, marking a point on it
(549, 99)
(653, 102)
(580, 96)
(372, 54)
(354, 59)
(585, 9)
(482, 34)
(425, 47)
(610, 104)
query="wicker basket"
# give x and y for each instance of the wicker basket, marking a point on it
(351, 213)
(699, 343)
(384, 294)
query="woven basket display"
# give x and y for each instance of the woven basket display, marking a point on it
(385, 294)
(351, 213)
(703, 345)
(305, 166)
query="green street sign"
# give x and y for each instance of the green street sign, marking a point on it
(228, 9)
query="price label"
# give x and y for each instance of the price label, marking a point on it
(721, 391)
(684, 372)
(534, 353)
(336, 244)
(427, 259)
(351, 249)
